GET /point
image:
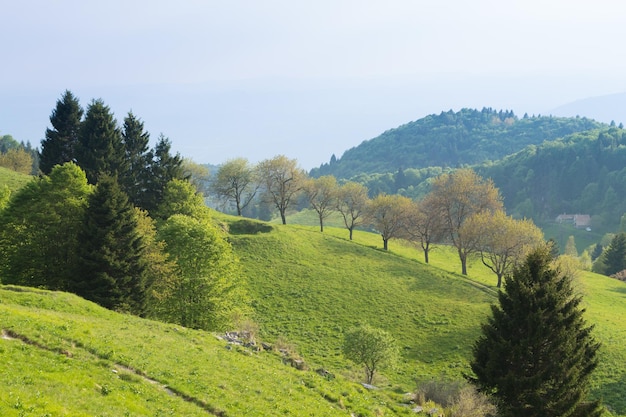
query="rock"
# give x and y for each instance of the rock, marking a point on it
(324, 373)
(368, 386)
(417, 409)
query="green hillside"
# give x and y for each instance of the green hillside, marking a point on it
(451, 139)
(13, 180)
(68, 357)
(63, 356)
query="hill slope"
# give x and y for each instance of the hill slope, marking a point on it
(310, 286)
(68, 357)
(451, 139)
(63, 356)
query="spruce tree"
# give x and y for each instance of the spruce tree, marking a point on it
(59, 146)
(100, 149)
(613, 259)
(164, 167)
(536, 352)
(112, 265)
(133, 181)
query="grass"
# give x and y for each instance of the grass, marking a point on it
(310, 286)
(63, 356)
(14, 180)
(68, 357)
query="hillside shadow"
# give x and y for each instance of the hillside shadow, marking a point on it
(612, 395)
(248, 227)
(621, 290)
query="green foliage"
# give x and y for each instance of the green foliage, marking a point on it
(100, 149)
(181, 197)
(205, 290)
(164, 167)
(18, 160)
(580, 173)
(135, 140)
(536, 352)
(235, 181)
(613, 259)
(40, 226)
(450, 139)
(373, 348)
(111, 268)
(60, 143)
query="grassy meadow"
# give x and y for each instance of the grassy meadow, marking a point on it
(64, 356)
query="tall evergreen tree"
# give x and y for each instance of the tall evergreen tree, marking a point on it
(137, 152)
(100, 149)
(111, 262)
(164, 167)
(613, 259)
(59, 146)
(536, 353)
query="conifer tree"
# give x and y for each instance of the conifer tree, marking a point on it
(164, 167)
(137, 152)
(100, 149)
(613, 259)
(536, 352)
(59, 146)
(111, 266)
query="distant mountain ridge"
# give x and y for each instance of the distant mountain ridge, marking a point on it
(450, 139)
(608, 108)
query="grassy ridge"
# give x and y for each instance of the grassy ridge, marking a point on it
(310, 286)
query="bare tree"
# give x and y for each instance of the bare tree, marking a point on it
(425, 224)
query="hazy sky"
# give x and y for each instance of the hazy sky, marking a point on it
(224, 79)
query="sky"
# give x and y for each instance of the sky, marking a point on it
(255, 79)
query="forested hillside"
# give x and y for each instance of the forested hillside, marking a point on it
(452, 139)
(581, 173)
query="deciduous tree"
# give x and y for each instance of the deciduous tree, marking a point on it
(424, 224)
(536, 353)
(459, 195)
(322, 194)
(352, 201)
(388, 215)
(282, 181)
(373, 348)
(18, 160)
(205, 290)
(60, 143)
(39, 229)
(502, 240)
(236, 182)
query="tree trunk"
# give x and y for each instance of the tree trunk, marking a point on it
(385, 243)
(499, 280)
(426, 255)
(350, 229)
(463, 263)
(283, 217)
(321, 223)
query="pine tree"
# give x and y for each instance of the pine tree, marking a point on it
(137, 153)
(164, 167)
(100, 149)
(59, 146)
(536, 353)
(613, 259)
(112, 266)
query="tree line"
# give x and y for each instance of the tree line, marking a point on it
(119, 224)
(461, 209)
